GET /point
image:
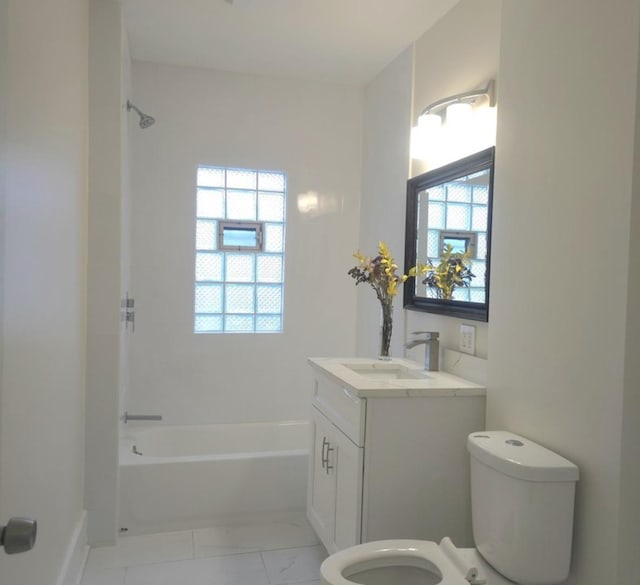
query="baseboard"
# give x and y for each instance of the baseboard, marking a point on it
(76, 555)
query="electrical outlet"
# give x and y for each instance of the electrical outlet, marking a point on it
(468, 339)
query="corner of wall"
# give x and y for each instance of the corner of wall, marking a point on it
(76, 554)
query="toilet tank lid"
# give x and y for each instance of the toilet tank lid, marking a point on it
(519, 457)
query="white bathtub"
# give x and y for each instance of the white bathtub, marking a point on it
(197, 476)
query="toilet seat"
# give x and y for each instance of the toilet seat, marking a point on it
(383, 553)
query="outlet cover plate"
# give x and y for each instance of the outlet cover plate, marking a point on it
(468, 339)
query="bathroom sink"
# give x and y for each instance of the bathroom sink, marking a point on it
(386, 371)
(364, 377)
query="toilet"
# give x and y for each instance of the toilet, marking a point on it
(522, 498)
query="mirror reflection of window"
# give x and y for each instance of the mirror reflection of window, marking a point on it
(451, 206)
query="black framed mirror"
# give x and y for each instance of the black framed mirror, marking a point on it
(448, 233)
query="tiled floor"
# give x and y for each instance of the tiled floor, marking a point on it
(278, 553)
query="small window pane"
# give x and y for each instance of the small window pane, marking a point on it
(271, 181)
(269, 299)
(268, 323)
(240, 268)
(205, 234)
(239, 298)
(241, 179)
(273, 241)
(270, 207)
(436, 215)
(478, 269)
(460, 294)
(208, 266)
(433, 241)
(269, 269)
(210, 177)
(208, 323)
(481, 194)
(477, 295)
(239, 323)
(481, 250)
(210, 203)
(436, 193)
(480, 215)
(241, 205)
(208, 298)
(240, 235)
(458, 217)
(458, 192)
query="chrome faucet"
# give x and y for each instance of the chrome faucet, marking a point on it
(431, 348)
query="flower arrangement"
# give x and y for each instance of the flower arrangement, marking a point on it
(453, 271)
(380, 273)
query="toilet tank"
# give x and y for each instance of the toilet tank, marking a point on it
(522, 507)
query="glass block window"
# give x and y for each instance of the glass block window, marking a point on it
(239, 257)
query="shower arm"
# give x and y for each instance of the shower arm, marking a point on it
(130, 107)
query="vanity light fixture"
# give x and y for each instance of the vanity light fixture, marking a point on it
(457, 110)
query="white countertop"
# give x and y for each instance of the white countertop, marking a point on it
(366, 378)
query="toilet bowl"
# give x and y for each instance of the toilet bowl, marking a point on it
(522, 498)
(408, 562)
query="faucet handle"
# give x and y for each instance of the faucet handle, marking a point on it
(430, 334)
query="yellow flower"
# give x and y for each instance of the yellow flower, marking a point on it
(380, 273)
(361, 258)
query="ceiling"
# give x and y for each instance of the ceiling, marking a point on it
(339, 41)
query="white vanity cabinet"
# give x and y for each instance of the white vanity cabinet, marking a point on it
(388, 457)
(336, 479)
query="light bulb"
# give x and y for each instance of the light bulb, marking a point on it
(458, 115)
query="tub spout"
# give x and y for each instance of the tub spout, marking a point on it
(126, 417)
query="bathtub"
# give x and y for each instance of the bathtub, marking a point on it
(180, 477)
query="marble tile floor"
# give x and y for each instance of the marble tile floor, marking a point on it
(275, 553)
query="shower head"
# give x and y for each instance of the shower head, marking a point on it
(145, 121)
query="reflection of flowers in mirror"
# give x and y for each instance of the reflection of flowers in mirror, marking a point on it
(453, 271)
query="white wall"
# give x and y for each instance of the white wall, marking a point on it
(563, 365)
(459, 53)
(311, 131)
(106, 248)
(629, 531)
(44, 88)
(384, 183)
(560, 259)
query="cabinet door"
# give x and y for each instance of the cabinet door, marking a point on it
(348, 506)
(321, 499)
